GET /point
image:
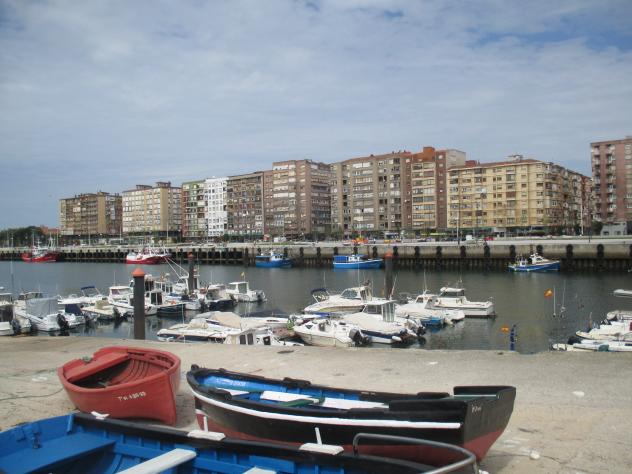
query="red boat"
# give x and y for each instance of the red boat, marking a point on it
(40, 255)
(125, 382)
(147, 256)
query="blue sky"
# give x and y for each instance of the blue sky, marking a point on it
(103, 95)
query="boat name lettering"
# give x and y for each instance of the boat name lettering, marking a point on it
(476, 409)
(131, 396)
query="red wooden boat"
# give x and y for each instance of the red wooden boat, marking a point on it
(125, 382)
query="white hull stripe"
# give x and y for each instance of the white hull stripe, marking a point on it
(329, 421)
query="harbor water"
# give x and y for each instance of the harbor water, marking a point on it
(580, 298)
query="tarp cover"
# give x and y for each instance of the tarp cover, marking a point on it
(40, 307)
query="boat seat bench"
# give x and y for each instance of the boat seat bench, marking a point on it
(104, 362)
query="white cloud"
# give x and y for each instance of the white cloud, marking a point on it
(105, 95)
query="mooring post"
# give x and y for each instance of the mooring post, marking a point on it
(388, 275)
(191, 273)
(139, 303)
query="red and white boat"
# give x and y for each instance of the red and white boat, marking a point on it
(39, 254)
(124, 382)
(148, 256)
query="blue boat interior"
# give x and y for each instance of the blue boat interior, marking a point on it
(63, 444)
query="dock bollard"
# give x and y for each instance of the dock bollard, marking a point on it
(388, 276)
(139, 303)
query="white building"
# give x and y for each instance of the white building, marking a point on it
(216, 215)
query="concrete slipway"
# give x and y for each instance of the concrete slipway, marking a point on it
(573, 411)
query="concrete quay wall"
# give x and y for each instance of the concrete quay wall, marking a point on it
(495, 255)
(571, 414)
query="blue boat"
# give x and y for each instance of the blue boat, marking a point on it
(79, 443)
(534, 263)
(356, 261)
(272, 260)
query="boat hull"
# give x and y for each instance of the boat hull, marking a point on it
(146, 260)
(548, 267)
(476, 423)
(140, 383)
(365, 265)
(48, 257)
(276, 264)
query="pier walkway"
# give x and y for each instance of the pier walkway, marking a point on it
(572, 412)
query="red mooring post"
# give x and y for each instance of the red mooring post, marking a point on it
(139, 303)
(388, 275)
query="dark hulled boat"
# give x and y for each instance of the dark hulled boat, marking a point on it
(289, 411)
(124, 382)
(82, 444)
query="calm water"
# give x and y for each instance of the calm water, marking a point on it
(519, 298)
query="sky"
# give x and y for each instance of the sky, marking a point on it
(104, 95)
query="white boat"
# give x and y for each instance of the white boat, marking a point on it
(454, 298)
(619, 315)
(178, 292)
(214, 297)
(326, 332)
(89, 296)
(596, 346)
(240, 292)
(44, 314)
(257, 337)
(102, 309)
(423, 309)
(623, 293)
(350, 300)
(229, 319)
(377, 321)
(198, 329)
(612, 331)
(534, 263)
(122, 298)
(10, 323)
(27, 295)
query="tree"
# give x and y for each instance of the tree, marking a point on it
(596, 227)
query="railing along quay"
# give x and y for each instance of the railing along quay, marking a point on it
(596, 256)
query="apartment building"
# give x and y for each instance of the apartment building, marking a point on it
(194, 210)
(153, 210)
(612, 180)
(91, 214)
(298, 200)
(215, 198)
(516, 195)
(368, 194)
(426, 202)
(245, 205)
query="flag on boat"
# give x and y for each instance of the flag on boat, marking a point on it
(548, 293)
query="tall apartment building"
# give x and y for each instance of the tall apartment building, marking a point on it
(194, 208)
(368, 194)
(514, 195)
(245, 205)
(153, 211)
(298, 202)
(215, 197)
(427, 200)
(612, 180)
(91, 214)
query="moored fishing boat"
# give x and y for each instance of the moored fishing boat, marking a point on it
(534, 263)
(83, 444)
(39, 254)
(240, 292)
(124, 382)
(148, 255)
(272, 260)
(289, 411)
(350, 300)
(329, 332)
(356, 262)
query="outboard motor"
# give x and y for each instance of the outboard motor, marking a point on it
(358, 338)
(574, 339)
(15, 325)
(421, 330)
(63, 323)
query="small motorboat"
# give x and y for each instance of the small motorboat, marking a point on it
(240, 292)
(622, 293)
(83, 444)
(121, 298)
(534, 263)
(378, 322)
(455, 299)
(291, 411)
(124, 382)
(351, 300)
(356, 262)
(423, 308)
(199, 329)
(215, 298)
(89, 296)
(327, 332)
(44, 315)
(11, 324)
(272, 260)
(588, 345)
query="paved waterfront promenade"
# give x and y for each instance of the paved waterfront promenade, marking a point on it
(572, 411)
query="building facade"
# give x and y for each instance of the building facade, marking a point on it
(368, 194)
(514, 196)
(428, 197)
(153, 211)
(612, 180)
(245, 205)
(194, 210)
(91, 214)
(215, 198)
(298, 202)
